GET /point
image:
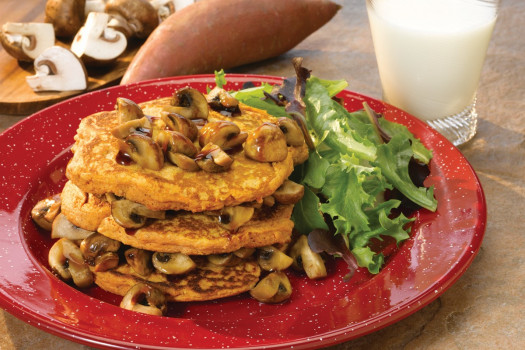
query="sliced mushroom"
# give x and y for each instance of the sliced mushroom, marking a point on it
(269, 201)
(244, 253)
(67, 16)
(129, 214)
(220, 100)
(96, 44)
(190, 103)
(26, 41)
(57, 261)
(132, 17)
(66, 260)
(142, 125)
(177, 122)
(143, 151)
(45, 212)
(96, 245)
(272, 259)
(139, 260)
(172, 263)
(292, 131)
(267, 143)
(289, 192)
(145, 299)
(225, 259)
(128, 110)
(106, 261)
(213, 159)
(222, 133)
(234, 217)
(304, 259)
(58, 69)
(63, 228)
(274, 288)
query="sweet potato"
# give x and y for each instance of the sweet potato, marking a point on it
(214, 34)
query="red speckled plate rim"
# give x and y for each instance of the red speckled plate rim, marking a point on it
(320, 313)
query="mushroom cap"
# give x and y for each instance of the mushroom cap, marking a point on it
(140, 14)
(67, 16)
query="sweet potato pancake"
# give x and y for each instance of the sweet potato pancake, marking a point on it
(94, 168)
(183, 231)
(206, 282)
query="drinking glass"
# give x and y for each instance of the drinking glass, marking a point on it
(430, 55)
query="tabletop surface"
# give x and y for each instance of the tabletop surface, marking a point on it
(485, 308)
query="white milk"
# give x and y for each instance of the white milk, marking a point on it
(430, 52)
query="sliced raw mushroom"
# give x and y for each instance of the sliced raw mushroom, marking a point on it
(274, 288)
(232, 218)
(132, 17)
(95, 43)
(172, 263)
(145, 299)
(220, 100)
(67, 16)
(272, 259)
(128, 110)
(142, 126)
(131, 215)
(292, 131)
(244, 253)
(222, 133)
(177, 122)
(213, 159)
(58, 69)
(190, 103)
(267, 143)
(139, 260)
(63, 228)
(45, 212)
(225, 259)
(289, 192)
(96, 245)
(143, 151)
(66, 259)
(304, 259)
(26, 41)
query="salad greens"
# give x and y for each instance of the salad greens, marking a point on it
(357, 157)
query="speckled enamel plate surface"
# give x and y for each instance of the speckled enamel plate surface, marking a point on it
(319, 313)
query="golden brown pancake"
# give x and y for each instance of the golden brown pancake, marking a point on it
(183, 231)
(206, 282)
(194, 233)
(83, 209)
(95, 170)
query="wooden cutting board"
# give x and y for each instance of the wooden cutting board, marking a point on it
(16, 97)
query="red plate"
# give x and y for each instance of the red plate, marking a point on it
(319, 313)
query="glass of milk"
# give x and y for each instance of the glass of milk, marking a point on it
(430, 54)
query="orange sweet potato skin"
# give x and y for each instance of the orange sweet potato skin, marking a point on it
(214, 34)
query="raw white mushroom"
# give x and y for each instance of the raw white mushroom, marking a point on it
(58, 69)
(26, 41)
(95, 43)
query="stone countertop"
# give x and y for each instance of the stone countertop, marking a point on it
(485, 308)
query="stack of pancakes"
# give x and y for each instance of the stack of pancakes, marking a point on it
(194, 204)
